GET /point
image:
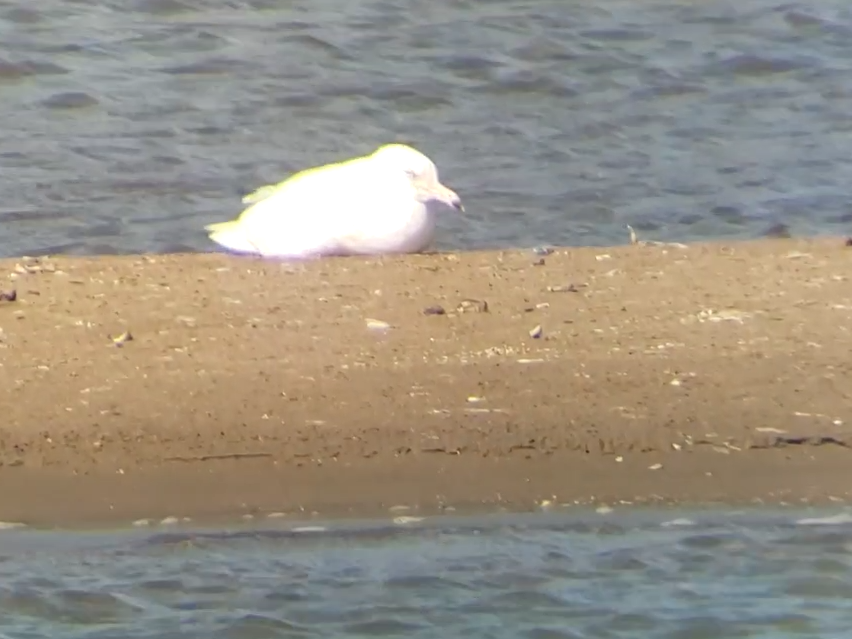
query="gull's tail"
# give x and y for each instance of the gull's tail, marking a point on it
(230, 235)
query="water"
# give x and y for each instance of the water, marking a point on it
(129, 124)
(626, 574)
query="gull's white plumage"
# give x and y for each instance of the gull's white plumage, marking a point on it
(384, 202)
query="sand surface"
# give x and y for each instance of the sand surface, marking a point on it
(632, 374)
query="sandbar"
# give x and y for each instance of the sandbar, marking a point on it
(214, 387)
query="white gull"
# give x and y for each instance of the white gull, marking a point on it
(385, 202)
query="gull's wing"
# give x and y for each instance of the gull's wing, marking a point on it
(262, 193)
(307, 214)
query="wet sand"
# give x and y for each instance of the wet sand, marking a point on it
(636, 374)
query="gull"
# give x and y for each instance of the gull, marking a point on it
(381, 203)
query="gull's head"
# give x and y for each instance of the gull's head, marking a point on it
(420, 170)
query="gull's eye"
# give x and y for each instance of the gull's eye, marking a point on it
(411, 173)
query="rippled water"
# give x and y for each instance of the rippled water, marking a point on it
(639, 574)
(129, 124)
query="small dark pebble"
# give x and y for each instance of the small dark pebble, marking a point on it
(849, 242)
(539, 262)
(434, 310)
(8, 296)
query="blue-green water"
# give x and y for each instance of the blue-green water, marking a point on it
(666, 574)
(130, 124)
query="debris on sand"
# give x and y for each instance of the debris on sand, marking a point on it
(635, 241)
(121, 340)
(377, 325)
(8, 296)
(437, 309)
(633, 238)
(30, 265)
(569, 288)
(472, 306)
